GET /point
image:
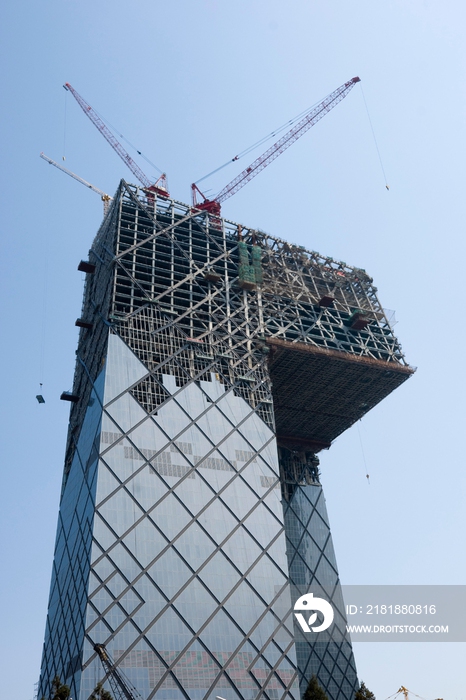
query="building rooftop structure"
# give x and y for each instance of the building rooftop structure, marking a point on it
(311, 314)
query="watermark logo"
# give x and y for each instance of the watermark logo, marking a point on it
(309, 603)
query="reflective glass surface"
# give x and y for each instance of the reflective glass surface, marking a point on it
(185, 576)
(313, 567)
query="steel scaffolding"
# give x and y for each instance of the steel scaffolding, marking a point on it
(194, 295)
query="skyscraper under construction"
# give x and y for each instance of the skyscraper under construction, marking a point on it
(214, 362)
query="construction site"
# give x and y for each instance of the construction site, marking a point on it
(214, 363)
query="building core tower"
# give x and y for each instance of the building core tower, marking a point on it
(214, 362)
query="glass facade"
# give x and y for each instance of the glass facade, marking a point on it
(312, 567)
(65, 630)
(186, 580)
(191, 519)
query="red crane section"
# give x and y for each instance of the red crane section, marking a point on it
(311, 118)
(160, 186)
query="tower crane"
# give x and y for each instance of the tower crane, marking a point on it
(106, 199)
(213, 206)
(120, 685)
(159, 187)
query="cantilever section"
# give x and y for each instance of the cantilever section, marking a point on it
(318, 393)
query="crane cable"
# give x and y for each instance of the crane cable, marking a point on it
(387, 186)
(264, 139)
(39, 396)
(115, 130)
(64, 129)
(404, 691)
(161, 172)
(363, 455)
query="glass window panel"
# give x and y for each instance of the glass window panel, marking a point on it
(170, 572)
(221, 635)
(115, 616)
(255, 431)
(195, 604)
(193, 401)
(148, 436)
(277, 554)
(124, 562)
(106, 482)
(101, 600)
(194, 493)
(117, 460)
(102, 533)
(194, 444)
(234, 408)
(124, 638)
(129, 601)
(242, 550)
(172, 419)
(214, 424)
(120, 512)
(122, 368)
(126, 412)
(239, 497)
(264, 527)
(116, 584)
(219, 575)
(169, 634)
(194, 546)
(245, 607)
(145, 542)
(171, 516)
(218, 521)
(146, 487)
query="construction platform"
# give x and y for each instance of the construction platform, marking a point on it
(319, 393)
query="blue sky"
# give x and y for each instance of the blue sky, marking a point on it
(191, 83)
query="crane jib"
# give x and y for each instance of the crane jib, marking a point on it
(287, 140)
(116, 145)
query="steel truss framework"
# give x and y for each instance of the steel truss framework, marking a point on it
(167, 254)
(172, 460)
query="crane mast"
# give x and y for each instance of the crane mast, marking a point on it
(308, 121)
(159, 187)
(120, 687)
